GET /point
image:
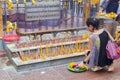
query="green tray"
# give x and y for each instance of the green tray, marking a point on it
(77, 70)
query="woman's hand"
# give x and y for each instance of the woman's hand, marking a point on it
(82, 63)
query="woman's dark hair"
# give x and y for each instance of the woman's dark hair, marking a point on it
(94, 22)
(117, 18)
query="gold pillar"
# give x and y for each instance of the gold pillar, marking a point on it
(87, 6)
(86, 9)
(1, 19)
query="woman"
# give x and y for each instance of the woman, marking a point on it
(97, 58)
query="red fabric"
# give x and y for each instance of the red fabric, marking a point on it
(11, 38)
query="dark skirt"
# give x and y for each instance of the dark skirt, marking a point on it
(103, 60)
(112, 8)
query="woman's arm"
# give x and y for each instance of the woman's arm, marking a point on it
(87, 58)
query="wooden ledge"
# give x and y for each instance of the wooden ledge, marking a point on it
(50, 31)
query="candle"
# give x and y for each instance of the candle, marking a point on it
(116, 35)
(28, 55)
(51, 50)
(47, 50)
(41, 53)
(76, 46)
(62, 48)
(80, 47)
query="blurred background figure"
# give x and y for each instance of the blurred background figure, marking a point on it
(118, 19)
(118, 11)
(109, 6)
(110, 25)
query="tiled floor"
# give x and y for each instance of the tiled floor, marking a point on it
(60, 72)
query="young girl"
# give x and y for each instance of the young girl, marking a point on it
(97, 58)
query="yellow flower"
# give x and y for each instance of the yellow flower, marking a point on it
(10, 4)
(7, 29)
(72, 64)
(111, 15)
(8, 22)
(83, 67)
(10, 25)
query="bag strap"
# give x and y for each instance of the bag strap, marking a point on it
(110, 36)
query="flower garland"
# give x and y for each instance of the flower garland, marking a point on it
(111, 15)
(10, 4)
(10, 26)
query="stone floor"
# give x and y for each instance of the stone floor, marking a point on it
(59, 72)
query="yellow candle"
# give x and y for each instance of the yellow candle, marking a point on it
(47, 49)
(116, 35)
(10, 4)
(77, 46)
(80, 47)
(41, 51)
(62, 48)
(51, 51)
